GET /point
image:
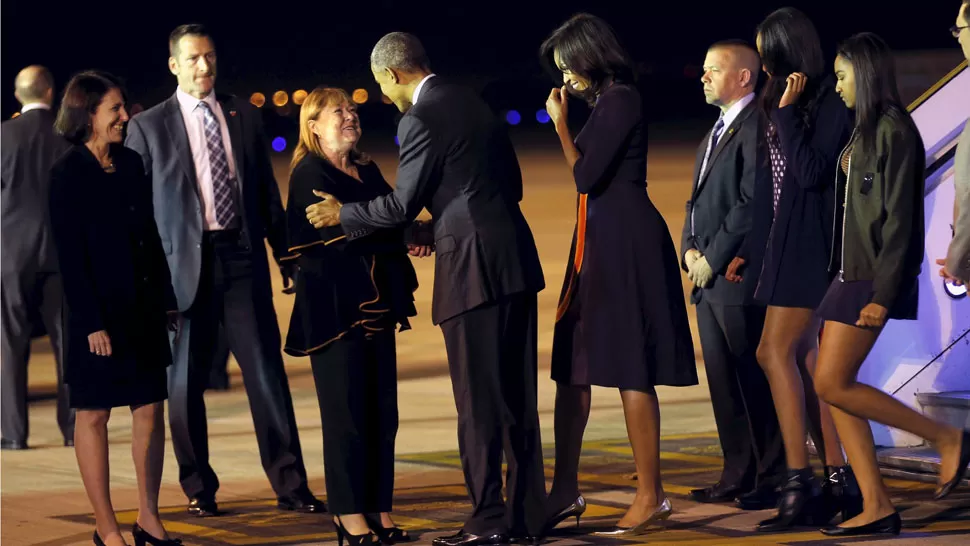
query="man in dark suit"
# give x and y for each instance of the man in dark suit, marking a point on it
(216, 200)
(719, 216)
(31, 284)
(456, 159)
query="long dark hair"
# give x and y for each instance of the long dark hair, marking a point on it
(789, 44)
(589, 47)
(876, 93)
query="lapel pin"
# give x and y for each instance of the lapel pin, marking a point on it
(232, 113)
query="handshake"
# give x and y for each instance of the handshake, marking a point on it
(419, 237)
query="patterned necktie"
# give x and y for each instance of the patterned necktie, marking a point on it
(715, 135)
(711, 144)
(219, 165)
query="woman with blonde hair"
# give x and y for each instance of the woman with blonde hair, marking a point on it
(351, 295)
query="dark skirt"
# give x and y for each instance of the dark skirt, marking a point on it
(146, 386)
(844, 301)
(134, 374)
(625, 324)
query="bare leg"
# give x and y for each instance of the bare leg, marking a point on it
(355, 524)
(820, 424)
(91, 450)
(642, 412)
(844, 348)
(571, 415)
(784, 328)
(148, 453)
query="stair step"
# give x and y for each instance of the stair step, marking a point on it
(912, 463)
(955, 399)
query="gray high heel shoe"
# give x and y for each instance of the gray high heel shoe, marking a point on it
(661, 513)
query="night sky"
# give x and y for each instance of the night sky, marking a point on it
(282, 44)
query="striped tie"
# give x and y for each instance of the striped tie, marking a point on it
(219, 165)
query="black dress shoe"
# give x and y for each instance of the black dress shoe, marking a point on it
(949, 486)
(718, 492)
(143, 537)
(760, 498)
(461, 538)
(201, 507)
(889, 525)
(12, 444)
(303, 502)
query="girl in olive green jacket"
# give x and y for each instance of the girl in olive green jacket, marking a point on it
(877, 253)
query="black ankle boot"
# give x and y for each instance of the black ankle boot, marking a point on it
(840, 495)
(800, 496)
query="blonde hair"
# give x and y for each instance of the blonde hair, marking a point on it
(315, 102)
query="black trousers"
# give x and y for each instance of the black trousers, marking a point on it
(356, 381)
(228, 294)
(28, 297)
(747, 425)
(492, 359)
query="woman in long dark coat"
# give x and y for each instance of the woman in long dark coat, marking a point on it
(120, 305)
(622, 321)
(351, 295)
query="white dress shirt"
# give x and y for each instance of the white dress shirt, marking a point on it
(735, 110)
(34, 106)
(194, 119)
(417, 90)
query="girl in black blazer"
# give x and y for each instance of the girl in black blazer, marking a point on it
(806, 126)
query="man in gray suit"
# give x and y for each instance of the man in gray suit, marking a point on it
(216, 203)
(956, 266)
(31, 285)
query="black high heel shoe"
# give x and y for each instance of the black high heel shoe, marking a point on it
(840, 494)
(143, 537)
(798, 503)
(388, 535)
(369, 539)
(949, 486)
(576, 509)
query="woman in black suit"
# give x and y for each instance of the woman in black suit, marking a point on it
(120, 306)
(351, 295)
(806, 126)
(622, 321)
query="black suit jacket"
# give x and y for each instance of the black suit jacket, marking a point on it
(722, 201)
(158, 135)
(456, 159)
(29, 147)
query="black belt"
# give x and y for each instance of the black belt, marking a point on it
(222, 235)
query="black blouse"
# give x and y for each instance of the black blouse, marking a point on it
(366, 283)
